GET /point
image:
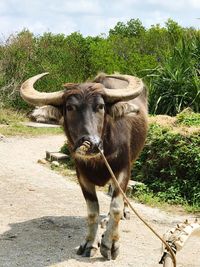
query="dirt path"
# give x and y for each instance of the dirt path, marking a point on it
(42, 216)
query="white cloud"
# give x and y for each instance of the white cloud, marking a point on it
(91, 17)
(98, 25)
(9, 26)
(3, 6)
(169, 5)
(76, 7)
(177, 5)
(156, 17)
(194, 3)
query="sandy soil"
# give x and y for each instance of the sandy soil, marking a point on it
(42, 216)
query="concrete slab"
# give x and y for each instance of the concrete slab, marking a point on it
(40, 125)
(56, 156)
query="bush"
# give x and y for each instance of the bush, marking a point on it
(170, 164)
(24, 55)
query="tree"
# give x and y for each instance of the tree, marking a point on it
(133, 28)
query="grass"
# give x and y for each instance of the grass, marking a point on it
(188, 118)
(11, 125)
(140, 195)
(191, 208)
(10, 116)
(21, 130)
(153, 201)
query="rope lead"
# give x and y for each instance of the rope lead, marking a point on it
(169, 249)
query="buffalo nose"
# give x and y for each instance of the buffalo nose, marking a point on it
(88, 146)
(93, 140)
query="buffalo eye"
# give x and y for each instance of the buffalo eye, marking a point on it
(99, 107)
(70, 107)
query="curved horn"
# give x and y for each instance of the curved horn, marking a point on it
(126, 88)
(32, 96)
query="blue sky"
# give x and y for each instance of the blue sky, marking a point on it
(91, 17)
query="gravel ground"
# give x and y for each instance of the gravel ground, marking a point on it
(42, 216)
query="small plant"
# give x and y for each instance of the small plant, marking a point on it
(70, 162)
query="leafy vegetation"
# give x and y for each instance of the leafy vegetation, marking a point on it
(169, 165)
(167, 58)
(175, 84)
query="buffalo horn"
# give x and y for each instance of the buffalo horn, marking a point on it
(124, 88)
(36, 98)
(131, 88)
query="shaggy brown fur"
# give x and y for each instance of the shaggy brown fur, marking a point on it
(122, 138)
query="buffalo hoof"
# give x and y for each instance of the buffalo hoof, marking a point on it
(127, 215)
(110, 253)
(87, 250)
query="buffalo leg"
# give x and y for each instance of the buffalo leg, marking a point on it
(91, 244)
(126, 211)
(110, 240)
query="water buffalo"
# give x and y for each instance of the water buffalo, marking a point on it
(108, 113)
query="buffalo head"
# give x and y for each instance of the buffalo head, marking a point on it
(85, 107)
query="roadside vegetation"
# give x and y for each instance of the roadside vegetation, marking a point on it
(166, 58)
(169, 165)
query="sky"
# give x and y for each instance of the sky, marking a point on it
(91, 17)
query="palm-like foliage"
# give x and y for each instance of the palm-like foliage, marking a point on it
(175, 84)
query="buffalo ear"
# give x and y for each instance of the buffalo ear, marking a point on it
(121, 109)
(70, 86)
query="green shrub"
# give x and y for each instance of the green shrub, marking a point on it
(170, 165)
(188, 118)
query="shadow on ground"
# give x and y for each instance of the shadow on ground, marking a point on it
(43, 241)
